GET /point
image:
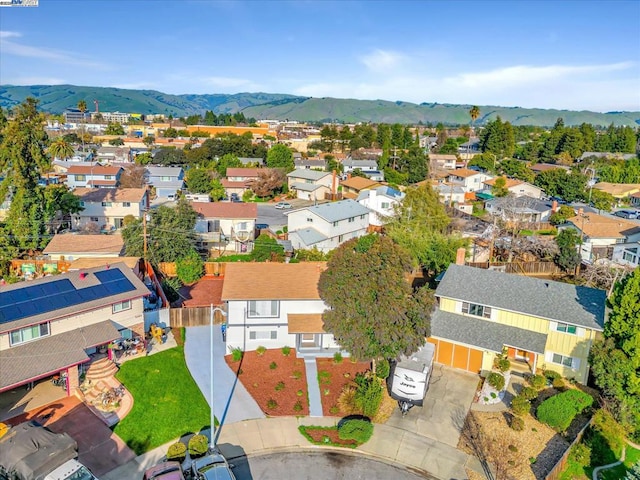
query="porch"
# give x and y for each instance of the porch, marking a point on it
(311, 339)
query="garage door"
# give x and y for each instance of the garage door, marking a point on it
(457, 356)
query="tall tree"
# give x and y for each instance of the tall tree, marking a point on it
(568, 257)
(132, 177)
(280, 156)
(269, 181)
(474, 113)
(82, 106)
(374, 313)
(198, 180)
(60, 148)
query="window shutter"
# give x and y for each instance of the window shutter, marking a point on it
(553, 326)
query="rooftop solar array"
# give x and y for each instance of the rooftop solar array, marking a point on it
(60, 293)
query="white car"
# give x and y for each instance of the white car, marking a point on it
(283, 206)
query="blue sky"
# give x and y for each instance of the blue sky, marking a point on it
(549, 54)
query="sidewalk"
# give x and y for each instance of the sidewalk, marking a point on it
(269, 435)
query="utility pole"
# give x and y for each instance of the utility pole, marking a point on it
(144, 236)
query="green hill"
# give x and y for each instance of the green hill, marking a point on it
(57, 98)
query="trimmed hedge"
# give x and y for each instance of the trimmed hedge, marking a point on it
(177, 451)
(198, 445)
(520, 405)
(354, 429)
(559, 411)
(496, 380)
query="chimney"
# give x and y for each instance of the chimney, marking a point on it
(461, 254)
(554, 206)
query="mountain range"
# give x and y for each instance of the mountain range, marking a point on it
(57, 98)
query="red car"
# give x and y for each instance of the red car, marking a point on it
(164, 471)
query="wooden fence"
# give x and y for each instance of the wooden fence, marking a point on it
(169, 269)
(193, 317)
(558, 468)
(521, 268)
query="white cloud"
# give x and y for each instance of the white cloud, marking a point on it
(382, 60)
(9, 47)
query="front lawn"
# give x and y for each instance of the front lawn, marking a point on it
(615, 473)
(167, 401)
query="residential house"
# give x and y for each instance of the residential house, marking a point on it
(600, 234)
(521, 208)
(516, 187)
(375, 175)
(350, 164)
(468, 180)
(310, 163)
(544, 167)
(627, 254)
(450, 193)
(275, 305)
(443, 161)
(51, 325)
(327, 225)
(239, 180)
(96, 176)
(619, 191)
(351, 187)
(310, 184)
(167, 181)
(635, 199)
(470, 148)
(71, 246)
(606, 155)
(253, 161)
(224, 226)
(382, 202)
(111, 154)
(107, 207)
(548, 325)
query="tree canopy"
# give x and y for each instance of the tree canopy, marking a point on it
(280, 156)
(199, 180)
(114, 129)
(373, 311)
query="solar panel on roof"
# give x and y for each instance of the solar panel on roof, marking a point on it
(58, 294)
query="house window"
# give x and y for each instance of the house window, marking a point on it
(81, 178)
(81, 203)
(476, 310)
(126, 204)
(107, 204)
(629, 257)
(335, 224)
(262, 308)
(119, 307)
(309, 219)
(94, 219)
(565, 360)
(352, 219)
(385, 204)
(29, 333)
(361, 217)
(566, 328)
(108, 177)
(165, 179)
(268, 335)
(340, 238)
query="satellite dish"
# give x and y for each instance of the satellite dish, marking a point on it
(241, 235)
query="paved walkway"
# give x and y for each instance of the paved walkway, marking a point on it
(313, 388)
(232, 402)
(263, 436)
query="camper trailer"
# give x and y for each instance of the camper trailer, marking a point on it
(408, 381)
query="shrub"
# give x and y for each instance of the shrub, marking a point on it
(383, 369)
(558, 383)
(512, 448)
(170, 287)
(537, 381)
(611, 430)
(297, 374)
(346, 400)
(324, 377)
(237, 354)
(520, 405)
(517, 424)
(581, 454)
(279, 386)
(368, 394)
(529, 393)
(198, 445)
(300, 393)
(355, 429)
(273, 365)
(272, 404)
(503, 364)
(286, 351)
(297, 407)
(559, 411)
(337, 357)
(334, 410)
(260, 350)
(326, 391)
(177, 451)
(551, 375)
(190, 268)
(496, 380)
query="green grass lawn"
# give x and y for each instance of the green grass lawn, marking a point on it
(167, 401)
(616, 473)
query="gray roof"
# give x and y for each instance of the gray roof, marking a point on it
(562, 302)
(177, 184)
(349, 162)
(306, 187)
(307, 174)
(484, 334)
(336, 211)
(521, 204)
(309, 236)
(249, 160)
(163, 171)
(49, 355)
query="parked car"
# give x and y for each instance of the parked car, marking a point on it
(262, 226)
(283, 206)
(164, 471)
(631, 214)
(212, 467)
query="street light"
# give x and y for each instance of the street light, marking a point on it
(212, 444)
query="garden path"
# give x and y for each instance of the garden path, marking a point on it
(315, 404)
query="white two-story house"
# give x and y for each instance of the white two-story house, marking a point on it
(275, 305)
(382, 202)
(107, 207)
(468, 180)
(51, 325)
(328, 225)
(95, 176)
(226, 226)
(167, 181)
(310, 184)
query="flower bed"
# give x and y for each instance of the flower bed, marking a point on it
(325, 436)
(489, 395)
(333, 381)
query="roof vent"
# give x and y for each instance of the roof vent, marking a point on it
(83, 275)
(546, 284)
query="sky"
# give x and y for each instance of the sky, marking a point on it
(577, 55)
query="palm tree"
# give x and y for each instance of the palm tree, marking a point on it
(474, 113)
(82, 106)
(60, 148)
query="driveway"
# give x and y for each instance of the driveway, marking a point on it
(232, 402)
(445, 406)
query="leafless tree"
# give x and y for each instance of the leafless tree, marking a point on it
(132, 177)
(269, 180)
(604, 274)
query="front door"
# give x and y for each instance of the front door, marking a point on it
(521, 355)
(309, 340)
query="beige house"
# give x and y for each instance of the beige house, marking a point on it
(223, 226)
(468, 180)
(107, 207)
(351, 187)
(52, 325)
(620, 191)
(71, 246)
(310, 184)
(517, 187)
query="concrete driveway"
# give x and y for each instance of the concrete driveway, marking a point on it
(232, 402)
(445, 407)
